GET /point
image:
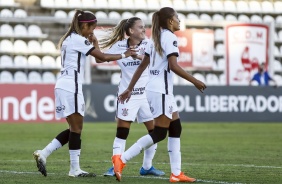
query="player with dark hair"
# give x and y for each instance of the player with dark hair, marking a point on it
(161, 57)
(138, 106)
(69, 98)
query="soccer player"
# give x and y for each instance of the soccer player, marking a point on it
(68, 90)
(138, 106)
(161, 56)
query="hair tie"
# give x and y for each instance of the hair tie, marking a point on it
(93, 20)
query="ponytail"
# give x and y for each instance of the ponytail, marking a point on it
(114, 34)
(118, 33)
(156, 33)
(159, 22)
(80, 17)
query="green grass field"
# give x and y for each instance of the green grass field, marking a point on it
(212, 152)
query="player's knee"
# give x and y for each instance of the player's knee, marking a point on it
(122, 133)
(158, 134)
(175, 128)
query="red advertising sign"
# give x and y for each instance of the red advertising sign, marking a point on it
(246, 48)
(195, 46)
(27, 103)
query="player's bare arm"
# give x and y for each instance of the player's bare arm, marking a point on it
(102, 57)
(182, 73)
(93, 39)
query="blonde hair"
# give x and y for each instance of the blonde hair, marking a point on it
(80, 17)
(118, 32)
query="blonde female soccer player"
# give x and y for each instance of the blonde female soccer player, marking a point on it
(138, 106)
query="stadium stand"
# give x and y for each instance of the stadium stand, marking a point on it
(6, 77)
(48, 62)
(6, 62)
(20, 31)
(20, 62)
(34, 61)
(34, 77)
(20, 77)
(36, 28)
(115, 78)
(6, 13)
(20, 13)
(48, 78)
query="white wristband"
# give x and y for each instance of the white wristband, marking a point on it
(122, 55)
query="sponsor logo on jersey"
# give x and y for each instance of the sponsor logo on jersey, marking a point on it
(141, 51)
(144, 43)
(60, 108)
(87, 42)
(132, 63)
(125, 112)
(154, 72)
(138, 91)
(122, 45)
(175, 43)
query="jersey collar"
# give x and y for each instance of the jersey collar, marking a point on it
(165, 29)
(127, 43)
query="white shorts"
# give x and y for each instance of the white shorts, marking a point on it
(68, 103)
(134, 108)
(161, 104)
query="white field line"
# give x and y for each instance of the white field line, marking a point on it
(148, 177)
(164, 163)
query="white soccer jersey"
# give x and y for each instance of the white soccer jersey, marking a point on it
(161, 77)
(74, 50)
(128, 67)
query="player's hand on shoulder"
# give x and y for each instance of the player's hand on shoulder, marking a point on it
(131, 51)
(125, 96)
(200, 85)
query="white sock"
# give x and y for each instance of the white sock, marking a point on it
(118, 146)
(52, 146)
(173, 146)
(74, 159)
(148, 156)
(142, 143)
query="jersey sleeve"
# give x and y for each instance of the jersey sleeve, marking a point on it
(170, 45)
(82, 45)
(113, 49)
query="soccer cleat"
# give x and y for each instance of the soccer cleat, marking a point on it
(151, 171)
(40, 162)
(110, 172)
(118, 166)
(81, 173)
(181, 178)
